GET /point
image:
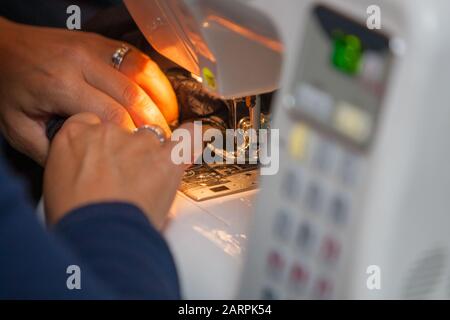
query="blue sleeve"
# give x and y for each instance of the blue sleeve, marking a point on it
(122, 249)
(119, 253)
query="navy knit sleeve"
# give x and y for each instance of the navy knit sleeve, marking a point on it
(122, 249)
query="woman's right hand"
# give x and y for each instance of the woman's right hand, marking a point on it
(47, 72)
(91, 162)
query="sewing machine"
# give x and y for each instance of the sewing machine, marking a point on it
(359, 208)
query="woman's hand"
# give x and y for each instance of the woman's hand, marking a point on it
(91, 162)
(47, 72)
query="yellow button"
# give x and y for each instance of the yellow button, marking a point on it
(352, 121)
(298, 143)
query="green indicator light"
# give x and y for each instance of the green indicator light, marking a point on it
(347, 53)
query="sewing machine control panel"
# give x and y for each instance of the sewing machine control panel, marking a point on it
(331, 115)
(319, 196)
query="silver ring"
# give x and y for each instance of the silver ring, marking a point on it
(119, 55)
(156, 130)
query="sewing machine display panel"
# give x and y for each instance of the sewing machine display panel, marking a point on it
(342, 79)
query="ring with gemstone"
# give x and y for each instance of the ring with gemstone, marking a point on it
(156, 130)
(119, 55)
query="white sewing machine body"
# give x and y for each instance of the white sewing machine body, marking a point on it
(386, 175)
(366, 214)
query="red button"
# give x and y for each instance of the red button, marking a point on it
(299, 275)
(275, 263)
(323, 289)
(331, 250)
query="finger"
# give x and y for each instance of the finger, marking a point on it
(76, 125)
(140, 69)
(128, 94)
(147, 74)
(86, 118)
(30, 138)
(90, 99)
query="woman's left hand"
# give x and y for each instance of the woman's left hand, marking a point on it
(47, 72)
